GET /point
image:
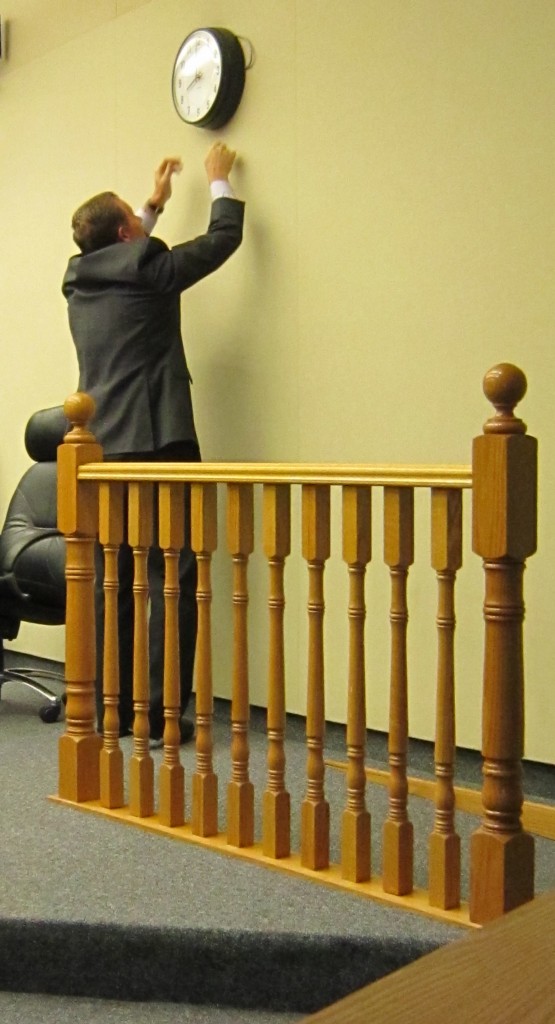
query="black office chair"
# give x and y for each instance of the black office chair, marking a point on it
(32, 556)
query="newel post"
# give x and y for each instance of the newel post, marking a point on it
(78, 520)
(504, 535)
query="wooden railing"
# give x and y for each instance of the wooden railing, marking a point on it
(92, 770)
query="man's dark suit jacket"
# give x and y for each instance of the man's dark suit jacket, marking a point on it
(125, 319)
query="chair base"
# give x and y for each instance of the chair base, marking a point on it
(29, 677)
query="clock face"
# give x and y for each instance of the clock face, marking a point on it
(208, 77)
(197, 76)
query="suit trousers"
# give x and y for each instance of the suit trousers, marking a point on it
(181, 451)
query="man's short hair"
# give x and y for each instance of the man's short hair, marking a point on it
(95, 224)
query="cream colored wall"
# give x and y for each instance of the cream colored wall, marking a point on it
(397, 158)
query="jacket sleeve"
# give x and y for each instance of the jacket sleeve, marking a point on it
(170, 270)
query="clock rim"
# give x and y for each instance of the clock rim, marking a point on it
(233, 73)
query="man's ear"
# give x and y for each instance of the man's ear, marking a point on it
(123, 233)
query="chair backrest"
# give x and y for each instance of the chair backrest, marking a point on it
(44, 432)
(31, 548)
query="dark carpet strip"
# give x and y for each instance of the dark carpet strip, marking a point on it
(284, 972)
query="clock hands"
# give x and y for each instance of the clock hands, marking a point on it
(194, 81)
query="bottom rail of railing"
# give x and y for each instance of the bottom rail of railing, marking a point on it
(416, 901)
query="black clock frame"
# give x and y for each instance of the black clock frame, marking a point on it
(232, 80)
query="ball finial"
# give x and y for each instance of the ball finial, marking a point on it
(79, 409)
(504, 385)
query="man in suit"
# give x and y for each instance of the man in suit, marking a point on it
(123, 293)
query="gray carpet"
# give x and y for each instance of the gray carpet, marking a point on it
(157, 920)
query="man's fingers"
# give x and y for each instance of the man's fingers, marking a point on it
(171, 165)
(220, 159)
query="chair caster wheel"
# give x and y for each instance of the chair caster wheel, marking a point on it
(51, 712)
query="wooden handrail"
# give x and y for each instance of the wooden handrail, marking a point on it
(425, 475)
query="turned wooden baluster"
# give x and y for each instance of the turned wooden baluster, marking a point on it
(445, 844)
(171, 536)
(355, 837)
(398, 555)
(141, 775)
(110, 535)
(240, 792)
(504, 535)
(276, 807)
(79, 747)
(315, 812)
(204, 541)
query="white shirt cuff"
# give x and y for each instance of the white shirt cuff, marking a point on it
(221, 189)
(148, 217)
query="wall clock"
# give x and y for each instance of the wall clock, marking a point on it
(208, 77)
